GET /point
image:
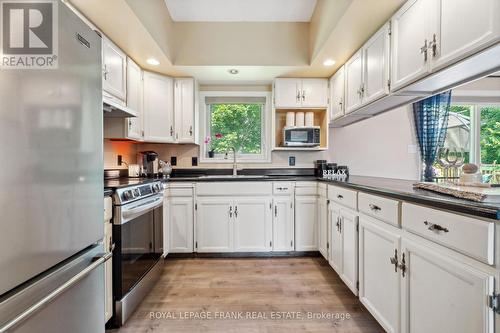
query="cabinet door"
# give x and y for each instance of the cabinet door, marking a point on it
(376, 65)
(306, 221)
(336, 239)
(158, 108)
(287, 93)
(461, 28)
(379, 281)
(180, 211)
(214, 226)
(349, 234)
(440, 294)
(353, 82)
(252, 225)
(166, 225)
(283, 224)
(135, 129)
(114, 70)
(410, 41)
(314, 93)
(323, 237)
(337, 94)
(184, 110)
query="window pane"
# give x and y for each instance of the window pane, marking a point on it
(240, 126)
(490, 144)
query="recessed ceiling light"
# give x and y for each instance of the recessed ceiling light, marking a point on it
(329, 62)
(233, 71)
(153, 61)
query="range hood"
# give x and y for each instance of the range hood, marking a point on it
(113, 109)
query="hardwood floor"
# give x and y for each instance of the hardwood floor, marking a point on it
(256, 290)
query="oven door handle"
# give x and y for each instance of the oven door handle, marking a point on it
(138, 210)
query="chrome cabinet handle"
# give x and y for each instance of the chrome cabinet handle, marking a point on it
(375, 208)
(275, 210)
(435, 227)
(340, 196)
(190, 130)
(298, 96)
(236, 211)
(433, 45)
(303, 95)
(129, 123)
(424, 49)
(105, 72)
(171, 131)
(230, 211)
(402, 266)
(394, 260)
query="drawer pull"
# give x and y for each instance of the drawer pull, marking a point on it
(435, 227)
(340, 196)
(375, 208)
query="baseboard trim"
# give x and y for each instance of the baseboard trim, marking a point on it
(290, 254)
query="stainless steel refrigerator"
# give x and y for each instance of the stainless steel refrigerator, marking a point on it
(51, 189)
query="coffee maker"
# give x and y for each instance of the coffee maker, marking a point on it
(148, 163)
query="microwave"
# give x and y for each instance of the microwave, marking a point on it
(301, 136)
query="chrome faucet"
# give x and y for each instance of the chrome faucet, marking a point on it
(235, 166)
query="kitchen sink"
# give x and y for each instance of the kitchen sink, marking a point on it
(231, 176)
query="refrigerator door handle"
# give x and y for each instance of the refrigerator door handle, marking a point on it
(61, 289)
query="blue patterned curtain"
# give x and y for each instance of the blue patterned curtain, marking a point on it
(431, 122)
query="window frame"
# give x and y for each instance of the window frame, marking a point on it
(264, 156)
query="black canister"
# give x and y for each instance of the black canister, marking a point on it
(319, 167)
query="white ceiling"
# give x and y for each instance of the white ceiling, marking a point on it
(241, 10)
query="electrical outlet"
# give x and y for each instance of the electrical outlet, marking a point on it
(291, 160)
(119, 160)
(194, 161)
(173, 160)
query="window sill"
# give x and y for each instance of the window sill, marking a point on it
(216, 160)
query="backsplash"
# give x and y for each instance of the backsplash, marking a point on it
(112, 149)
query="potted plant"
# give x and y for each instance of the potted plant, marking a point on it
(208, 141)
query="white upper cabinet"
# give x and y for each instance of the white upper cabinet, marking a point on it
(376, 65)
(440, 294)
(462, 27)
(287, 93)
(410, 41)
(293, 93)
(158, 108)
(314, 93)
(337, 94)
(184, 110)
(114, 69)
(135, 126)
(353, 82)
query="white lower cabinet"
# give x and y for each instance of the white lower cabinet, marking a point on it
(344, 245)
(379, 278)
(283, 224)
(252, 225)
(306, 235)
(323, 237)
(180, 216)
(441, 294)
(214, 227)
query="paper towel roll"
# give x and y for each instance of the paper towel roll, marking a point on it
(299, 118)
(290, 119)
(309, 118)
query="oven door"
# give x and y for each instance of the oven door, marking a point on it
(139, 243)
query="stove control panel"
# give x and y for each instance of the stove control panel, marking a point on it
(134, 192)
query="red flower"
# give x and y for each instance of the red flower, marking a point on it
(218, 136)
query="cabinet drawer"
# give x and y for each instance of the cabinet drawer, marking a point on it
(234, 188)
(179, 192)
(343, 196)
(384, 209)
(282, 188)
(306, 188)
(470, 236)
(108, 209)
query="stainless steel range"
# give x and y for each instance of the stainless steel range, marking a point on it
(138, 237)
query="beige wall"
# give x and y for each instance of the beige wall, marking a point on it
(112, 149)
(379, 147)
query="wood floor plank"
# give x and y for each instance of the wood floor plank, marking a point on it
(266, 286)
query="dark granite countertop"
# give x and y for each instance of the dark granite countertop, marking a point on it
(394, 188)
(403, 190)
